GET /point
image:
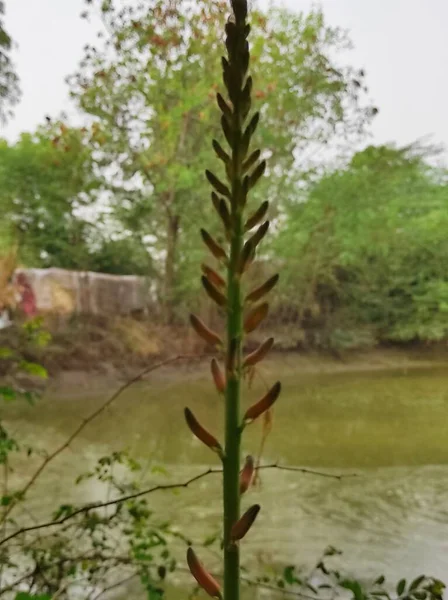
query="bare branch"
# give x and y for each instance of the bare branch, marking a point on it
(170, 486)
(86, 422)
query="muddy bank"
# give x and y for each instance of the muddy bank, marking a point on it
(186, 368)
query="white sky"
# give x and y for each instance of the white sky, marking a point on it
(400, 44)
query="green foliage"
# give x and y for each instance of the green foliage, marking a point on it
(365, 249)
(150, 86)
(324, 581)
(44, 179)
(9, 82)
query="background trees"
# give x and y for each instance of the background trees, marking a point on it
(9, 82)
(150, 89)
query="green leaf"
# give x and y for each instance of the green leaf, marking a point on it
(417, 581)
(33, 369)
(8, 393)
(355, 587)
(401, 586)
(288, 574)
(6, 353)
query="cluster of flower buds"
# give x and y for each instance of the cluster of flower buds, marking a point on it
(244, 168)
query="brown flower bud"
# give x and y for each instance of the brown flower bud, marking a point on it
(246, 474)
(220, 152)
(219, 186)
(218, 376)
(217, 251)
(204, 332)
(262, 405)
(204, 579)
(257, 216)
(255, 317)
(259, 234)
(249, 162)
(264, 289)
(257, 355)
(224, 107)
(242, 526)
(202, 434)
(257, 174)
(246, 257)
(213, 292)
(213, 276)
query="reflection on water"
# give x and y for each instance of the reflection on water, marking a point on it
(389, 427)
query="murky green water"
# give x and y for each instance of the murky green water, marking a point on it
(390, 427)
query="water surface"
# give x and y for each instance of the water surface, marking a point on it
(390, 427)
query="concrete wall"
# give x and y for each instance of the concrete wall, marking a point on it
(66, 292)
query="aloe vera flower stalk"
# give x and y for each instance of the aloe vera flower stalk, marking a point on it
(244, 311)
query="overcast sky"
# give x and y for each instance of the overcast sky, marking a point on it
(402, 45)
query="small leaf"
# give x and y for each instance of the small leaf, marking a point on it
(417, 582)
(401, 586)
(33, 369)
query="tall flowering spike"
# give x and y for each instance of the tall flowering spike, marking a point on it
(246, 474)
(242, 168)
(201, 433)
(242, 526)
(203, 577)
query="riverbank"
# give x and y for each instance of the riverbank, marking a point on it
(190, 367)
(96, 354)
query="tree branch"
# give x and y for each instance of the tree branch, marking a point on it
(86, 422)
(170, 486)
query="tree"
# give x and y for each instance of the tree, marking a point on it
(9, 82)
(151, 90)
(45, 178)
(367, 247)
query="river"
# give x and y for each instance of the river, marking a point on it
(389, 427)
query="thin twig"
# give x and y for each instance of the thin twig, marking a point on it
(267, 586)
(115, 585)
(88, 420)
(169, 486)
